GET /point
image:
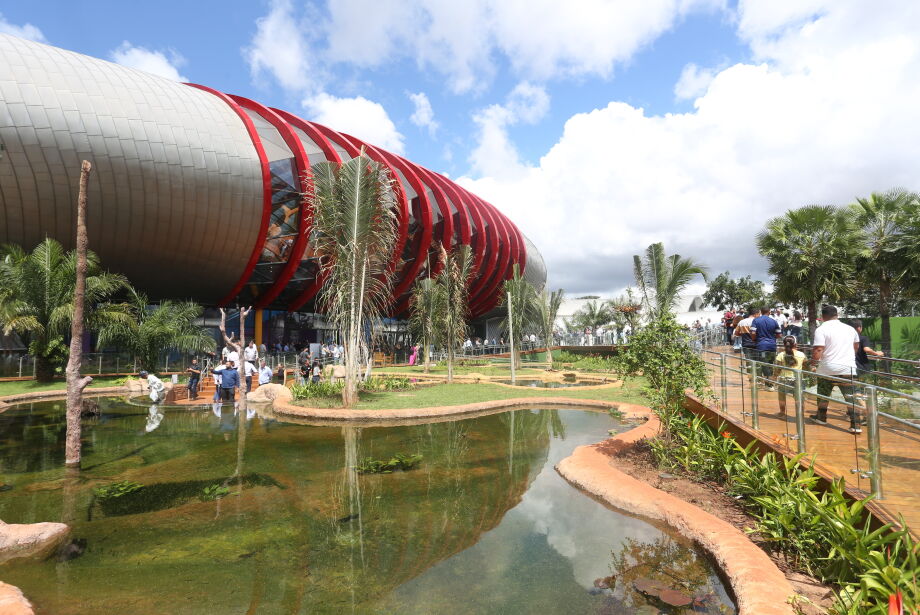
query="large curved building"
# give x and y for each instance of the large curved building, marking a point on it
(197, 193)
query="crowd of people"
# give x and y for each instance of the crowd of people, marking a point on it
(840, 354)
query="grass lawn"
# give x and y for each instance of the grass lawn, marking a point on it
(14, 387)
(467, 393)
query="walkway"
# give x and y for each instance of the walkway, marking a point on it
(837, 452)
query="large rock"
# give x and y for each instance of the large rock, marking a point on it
(269, 392)
(335, 372)
(12, 602)
(37, 540)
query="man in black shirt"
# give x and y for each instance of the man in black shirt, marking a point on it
(194, 378)
(864, 350)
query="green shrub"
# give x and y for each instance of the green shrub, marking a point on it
(116, 490)
(399, 461)
(213, 492)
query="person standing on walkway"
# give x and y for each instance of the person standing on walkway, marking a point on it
(791, 358)
(765, 330)
(834, 352)
(795, 325)
(863, 365)
(251, 353)
(743, 332)
(229, 382)
(265, 373)
(194, 379)
(728, 320)
(316, 372)
(250, 370)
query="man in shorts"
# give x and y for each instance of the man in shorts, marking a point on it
(834, 352)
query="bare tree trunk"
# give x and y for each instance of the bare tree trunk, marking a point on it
(238, 346)
(812, 320)
(884, 305)
(76, 383)
(427, 354)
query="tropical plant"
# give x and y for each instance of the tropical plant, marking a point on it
(724, 292)
(427, 309)
(812, 254)
(547, 308)
(883, 261)
(36, 299)
(353, 207)
(399, 461)
(591, 315)
(154, 328)
(520, 302)
(625, 310)
(661, 279)
(454, 281)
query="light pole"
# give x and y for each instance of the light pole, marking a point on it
(511, 335)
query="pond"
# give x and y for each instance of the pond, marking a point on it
(222, 511)
(550, 384)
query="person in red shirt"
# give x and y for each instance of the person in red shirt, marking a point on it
(728, 322)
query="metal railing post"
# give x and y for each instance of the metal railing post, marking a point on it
(875, 466)
(117, 364)
(100, 363)
(166, 368)
(20, 365)
(800, 410)
(755, 401)
(723, 372)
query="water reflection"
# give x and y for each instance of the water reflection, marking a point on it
(237, 513)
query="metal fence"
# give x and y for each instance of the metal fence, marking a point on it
(870, 435)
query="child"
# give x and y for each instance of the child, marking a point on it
(789, 359)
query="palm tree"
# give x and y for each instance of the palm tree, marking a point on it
(454, 281)
(36, 299)
(547, 308)
(425, 314)
(812, 254)
(591, 315)
(625, 310)
(883, 261)
(152, 329)
(661, 279)
(520, 301)
(353, 208)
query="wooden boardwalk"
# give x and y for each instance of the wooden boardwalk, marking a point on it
(837, 452)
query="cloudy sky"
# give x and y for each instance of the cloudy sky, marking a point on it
(597, 126)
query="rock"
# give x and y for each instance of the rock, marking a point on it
(335, 372)
(30, 540)
(136, 386)
(12, 602)
(270, 392)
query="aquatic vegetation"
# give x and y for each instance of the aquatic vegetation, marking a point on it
(213, 492)
(399, 461)
(116, 490)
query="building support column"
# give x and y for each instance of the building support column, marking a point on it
(258, 326)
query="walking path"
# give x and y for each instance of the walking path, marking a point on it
(837, 452)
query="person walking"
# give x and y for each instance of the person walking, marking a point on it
(249, 369)
(229, 382)
(864, 351)
(795, 325)
(316, 372)
(744, 332)
(834, 352)
(765, 330)
(791, 358)
(194, 379)
(728, 321)
(265, 373)
(155, 386)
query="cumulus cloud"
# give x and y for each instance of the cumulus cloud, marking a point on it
(155, 62)
(494, 152)
(693, 81)
(541, 39)
(281, 49)
(804, 123)
(423, 116)
(358, 117)
(26, 31)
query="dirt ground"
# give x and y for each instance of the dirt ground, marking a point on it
(638, 462)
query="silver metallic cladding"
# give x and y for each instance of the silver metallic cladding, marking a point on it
(535, 268)
(175, 196)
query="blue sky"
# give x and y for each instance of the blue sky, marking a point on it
(598, 126)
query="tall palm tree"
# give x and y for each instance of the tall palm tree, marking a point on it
(454, 281)
(520, 302)
(883, 261)
(661, 279)
(425, 315)
(812, 254)
(591, 315)
(547, 308)
(353, 208)
(36, 299)
(152, 329)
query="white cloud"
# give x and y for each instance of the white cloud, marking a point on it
(541, 39)
(280, 48)
(358, 117)
(812, 121)
(494, 151)
(26, 31)
(155, 62)
(423, 116)
(693, 82)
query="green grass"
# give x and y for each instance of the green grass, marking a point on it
(15, 387)
(467, 393)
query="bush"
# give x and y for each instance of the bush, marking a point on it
(399, 461)
(587, 362)
(329, 389)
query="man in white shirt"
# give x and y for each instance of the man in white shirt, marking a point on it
(265, 373)
(251, 353)
(234, 357)
(834, 352)
(155, 386)
(249, 370)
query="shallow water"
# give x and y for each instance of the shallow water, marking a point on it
(483, 525)
(550, 384)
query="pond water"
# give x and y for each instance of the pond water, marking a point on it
(550, 384)
(232, 512)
